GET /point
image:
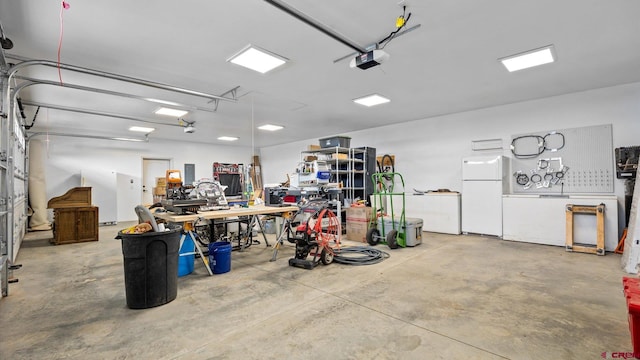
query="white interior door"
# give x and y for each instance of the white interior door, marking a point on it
(151, 169)
(129, 196)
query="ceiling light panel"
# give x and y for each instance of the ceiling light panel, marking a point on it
(171, 112)
(128, 139)
(227, 138)
(529, 59)
(371, 100)
(141, 129)
(257, 59)
(269, 127)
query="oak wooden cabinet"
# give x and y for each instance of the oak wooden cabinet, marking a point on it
(74, 219)
(72, 225)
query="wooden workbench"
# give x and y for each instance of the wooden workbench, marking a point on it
(221, 214)
(252, 212)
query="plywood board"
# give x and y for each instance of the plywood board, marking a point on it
(631, 253)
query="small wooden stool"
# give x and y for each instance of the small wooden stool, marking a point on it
(598, 211)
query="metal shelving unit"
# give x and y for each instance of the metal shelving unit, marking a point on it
(348, 166)
(352, 167)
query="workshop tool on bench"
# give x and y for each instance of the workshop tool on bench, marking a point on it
(211, 191)
(178, 200)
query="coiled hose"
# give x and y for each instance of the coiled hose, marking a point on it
(359, 255)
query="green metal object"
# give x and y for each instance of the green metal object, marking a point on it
(388, 186)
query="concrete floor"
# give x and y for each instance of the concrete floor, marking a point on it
(453, 297)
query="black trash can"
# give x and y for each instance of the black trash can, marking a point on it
(150, 267)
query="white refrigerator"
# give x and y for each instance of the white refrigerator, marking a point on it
(484, 181)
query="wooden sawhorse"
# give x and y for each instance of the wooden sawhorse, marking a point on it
(188, 230)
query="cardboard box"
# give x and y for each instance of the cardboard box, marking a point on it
(359, 213)
(310, 158)
(357, 230)
(358, 223)
(335, 156)
(161, 182)
(162, 191)
(313, 147)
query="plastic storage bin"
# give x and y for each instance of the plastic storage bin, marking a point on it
(340, 141)
(632, 295)
(150, 267)
(413, 231)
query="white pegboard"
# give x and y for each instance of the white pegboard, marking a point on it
(587, 152)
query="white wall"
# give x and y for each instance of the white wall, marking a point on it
(66, 157)
(429, 151)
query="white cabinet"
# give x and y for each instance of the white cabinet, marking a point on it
(542, 219)
(440, 212)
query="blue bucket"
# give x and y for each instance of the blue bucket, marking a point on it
(220, 257)
(186, 256)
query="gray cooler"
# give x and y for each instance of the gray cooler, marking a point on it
(413, 231)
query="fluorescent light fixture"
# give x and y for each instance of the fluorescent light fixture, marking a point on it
(257, 59)
(164, 102)
(129, 139)
(529, 59)
(171, 112)
(269, 127)
(371, 100)
(141, 129)
(228, 138)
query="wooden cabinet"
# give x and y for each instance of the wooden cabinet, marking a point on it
(74, 219)
(440, 211)
(72, 225)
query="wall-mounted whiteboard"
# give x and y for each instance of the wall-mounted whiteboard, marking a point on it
(564, 161)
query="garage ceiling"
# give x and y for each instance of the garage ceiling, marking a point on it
(447, 65)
